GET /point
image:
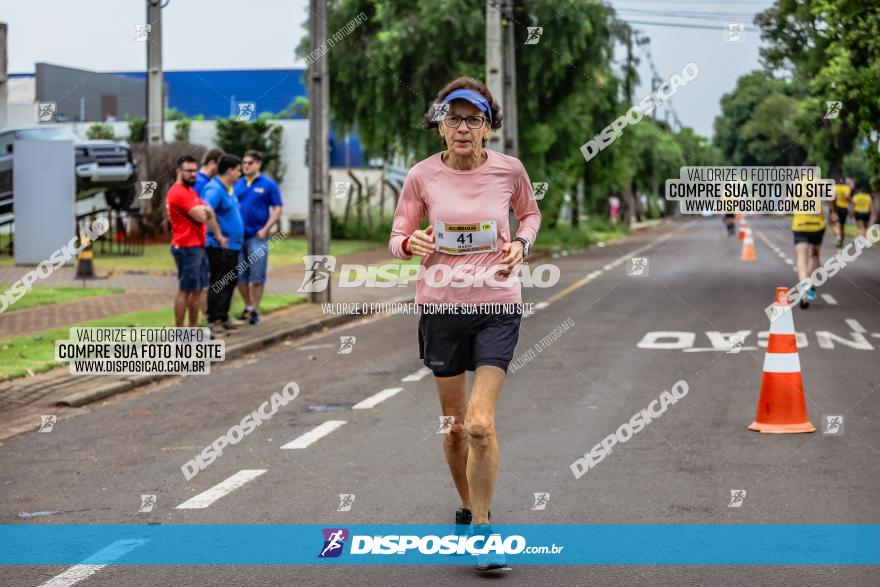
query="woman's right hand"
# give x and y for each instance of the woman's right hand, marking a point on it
(421, 242)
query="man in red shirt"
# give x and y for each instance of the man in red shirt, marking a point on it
(188, 214)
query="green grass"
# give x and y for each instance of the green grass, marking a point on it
(157, 258)
(37, 351)
(565, 237)
(43, 295)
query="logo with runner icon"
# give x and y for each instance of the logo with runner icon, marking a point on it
(638, 267)
(833, 424)
(737, 497)
(346, 500)
(334, 541)
(319, 268)
(541, 500)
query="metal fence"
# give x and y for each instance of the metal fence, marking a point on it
(124, 237)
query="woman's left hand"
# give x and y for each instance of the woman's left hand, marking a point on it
(513, 256)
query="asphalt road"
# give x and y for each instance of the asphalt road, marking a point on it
(680, 469)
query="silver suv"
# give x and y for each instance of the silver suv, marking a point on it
(101, 166)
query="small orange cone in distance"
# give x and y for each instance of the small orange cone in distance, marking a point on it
(741, 227)
(748, 250)
(782, 407)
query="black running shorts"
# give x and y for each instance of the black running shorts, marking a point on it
(842, 213)
(450, 344)
(810, 237)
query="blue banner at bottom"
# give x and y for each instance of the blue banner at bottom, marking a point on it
(365, 544)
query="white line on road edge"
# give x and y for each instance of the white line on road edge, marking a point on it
(77, 573)
(206, 498)
(418, 375)
(377, 398)
(855, 326)
(314, 434)
(829, 299)
(311, 347)
(541, 305)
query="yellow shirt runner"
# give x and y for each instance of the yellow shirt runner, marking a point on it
(861, 203)
(842, 191)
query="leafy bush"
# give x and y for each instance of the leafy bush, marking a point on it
(181, 130)
(137, 130)
(100, 130)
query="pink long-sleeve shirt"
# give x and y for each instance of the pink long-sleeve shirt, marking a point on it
(487, 192)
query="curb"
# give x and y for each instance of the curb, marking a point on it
(82, 398)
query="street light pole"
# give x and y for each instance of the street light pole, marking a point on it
(155, 103)
(494, 73)
(319, 115)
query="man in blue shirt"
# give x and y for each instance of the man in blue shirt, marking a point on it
(208, 169)
(260, 209)
(223, 249)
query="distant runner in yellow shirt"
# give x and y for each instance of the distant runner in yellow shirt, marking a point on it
(840, 211)
(808, 229)
(863, 209)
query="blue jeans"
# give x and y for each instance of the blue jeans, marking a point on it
(254, 258)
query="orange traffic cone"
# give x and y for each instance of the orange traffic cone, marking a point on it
(782, 407)
(741, 227)
(748, 250)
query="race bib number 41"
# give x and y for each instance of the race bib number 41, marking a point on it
(456, 238)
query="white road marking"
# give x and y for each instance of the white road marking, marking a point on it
(607, 267)
(789, 261)
(77, 573)
(310, 347)
(711, 348)
(541, 305)
(855, 326)
(829, 299)
(418, 375)
(377, 398)
(206, 498)
(314, 434)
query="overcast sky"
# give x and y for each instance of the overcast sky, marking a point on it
(230, 34)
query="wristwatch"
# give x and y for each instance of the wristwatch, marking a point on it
(526, 246)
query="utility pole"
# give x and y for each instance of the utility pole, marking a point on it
(319, 119)
(494, 73)
(155, 103)
(3, 74)
(511, 126)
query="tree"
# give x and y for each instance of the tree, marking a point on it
(830, 47)
(388, 70)
(237, 136)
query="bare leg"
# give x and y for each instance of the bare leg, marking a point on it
(256, 295)
(244, 290)
(803, 264)
(181, 303)
(453, 402)
(483, 458)
(195, 302)
(814, 258)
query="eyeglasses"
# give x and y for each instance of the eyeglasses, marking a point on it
(454, 121)
(248, 162)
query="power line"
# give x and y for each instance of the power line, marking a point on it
(684, 26)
